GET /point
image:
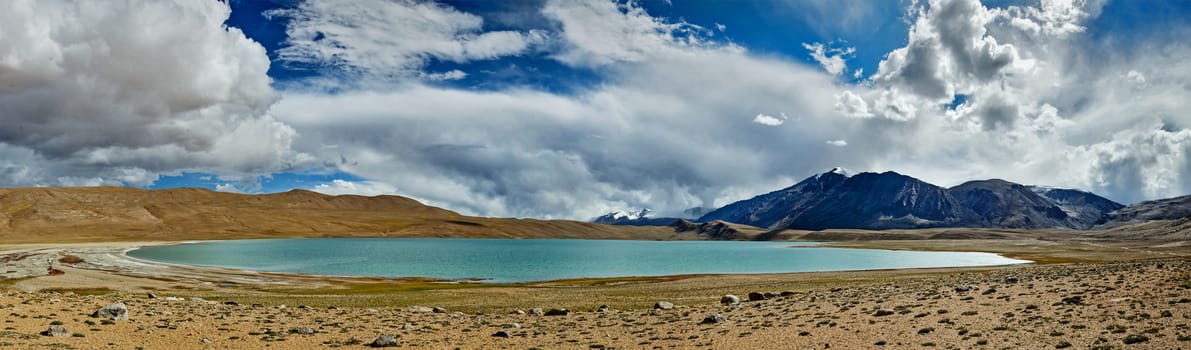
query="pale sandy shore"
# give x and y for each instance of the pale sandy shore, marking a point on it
(1142, 303)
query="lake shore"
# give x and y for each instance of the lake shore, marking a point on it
(833, 308)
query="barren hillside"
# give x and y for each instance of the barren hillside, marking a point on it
(120, 214)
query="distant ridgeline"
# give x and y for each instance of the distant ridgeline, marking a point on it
(839, 199)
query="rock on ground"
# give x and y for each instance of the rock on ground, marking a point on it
(384, 341)
(115, 312)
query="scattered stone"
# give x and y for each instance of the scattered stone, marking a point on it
(602, 308)
(384, 341)
(518, 312)
(756, 296)
(663, 305)
(231, 303)
(729, 299)
(714, 319)
(557, 312)
(407, 326)
(1136, 338)
(438, 310)
(786, 293)
(301, 330)
(770, 295)
(150, 295)
(115, 312)
(55, 331)
(883, 312)
(536, 311)
(198, 300)
(511, 325)
(420, 309)
(501, 334)
(1073, 300)
(1011, 279)
(205, 341)
(965, 288)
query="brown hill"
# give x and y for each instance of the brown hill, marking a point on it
(124, 214)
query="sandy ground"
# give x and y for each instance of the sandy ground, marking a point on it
(1146, 301)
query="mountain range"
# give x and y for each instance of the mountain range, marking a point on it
(841, 199)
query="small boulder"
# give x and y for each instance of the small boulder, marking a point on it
(384, 341)
(714, 319)
(55, 331)
(1011, 279)
(756, 296)
(420, 309)
(770, 295)
(883, 312)
(558, 312)
(965, 287)
(537, 311)
(150, 295)
(438, 310)
(786, 293)
(1135, 338)
(518, 312)
(729, 299)
(663, 305)
(301, 330)
(602, 308)
(501, 334)
(115, 312)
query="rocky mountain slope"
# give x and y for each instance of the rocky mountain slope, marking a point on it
(841, 200)
(1162, 209)
(123, 214)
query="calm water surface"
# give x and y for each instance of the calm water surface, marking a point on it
(525, 260)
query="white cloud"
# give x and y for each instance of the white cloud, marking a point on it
(391, 38)
(363, 188)
(453, 74)
(767, 120)
(837, 143)
(88, 93)
(599, 33)
(229, 188)
(851, 105)
(833, 59)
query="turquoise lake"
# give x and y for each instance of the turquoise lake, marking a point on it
(527, 260)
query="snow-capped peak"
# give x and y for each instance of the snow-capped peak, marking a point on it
(628, 215)
(838, 171)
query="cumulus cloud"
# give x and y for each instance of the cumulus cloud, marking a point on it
(89, 93)
(833, 59)
(391, 38)
(1034, 102)
(767, 120)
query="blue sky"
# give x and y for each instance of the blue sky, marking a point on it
(570, 109)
